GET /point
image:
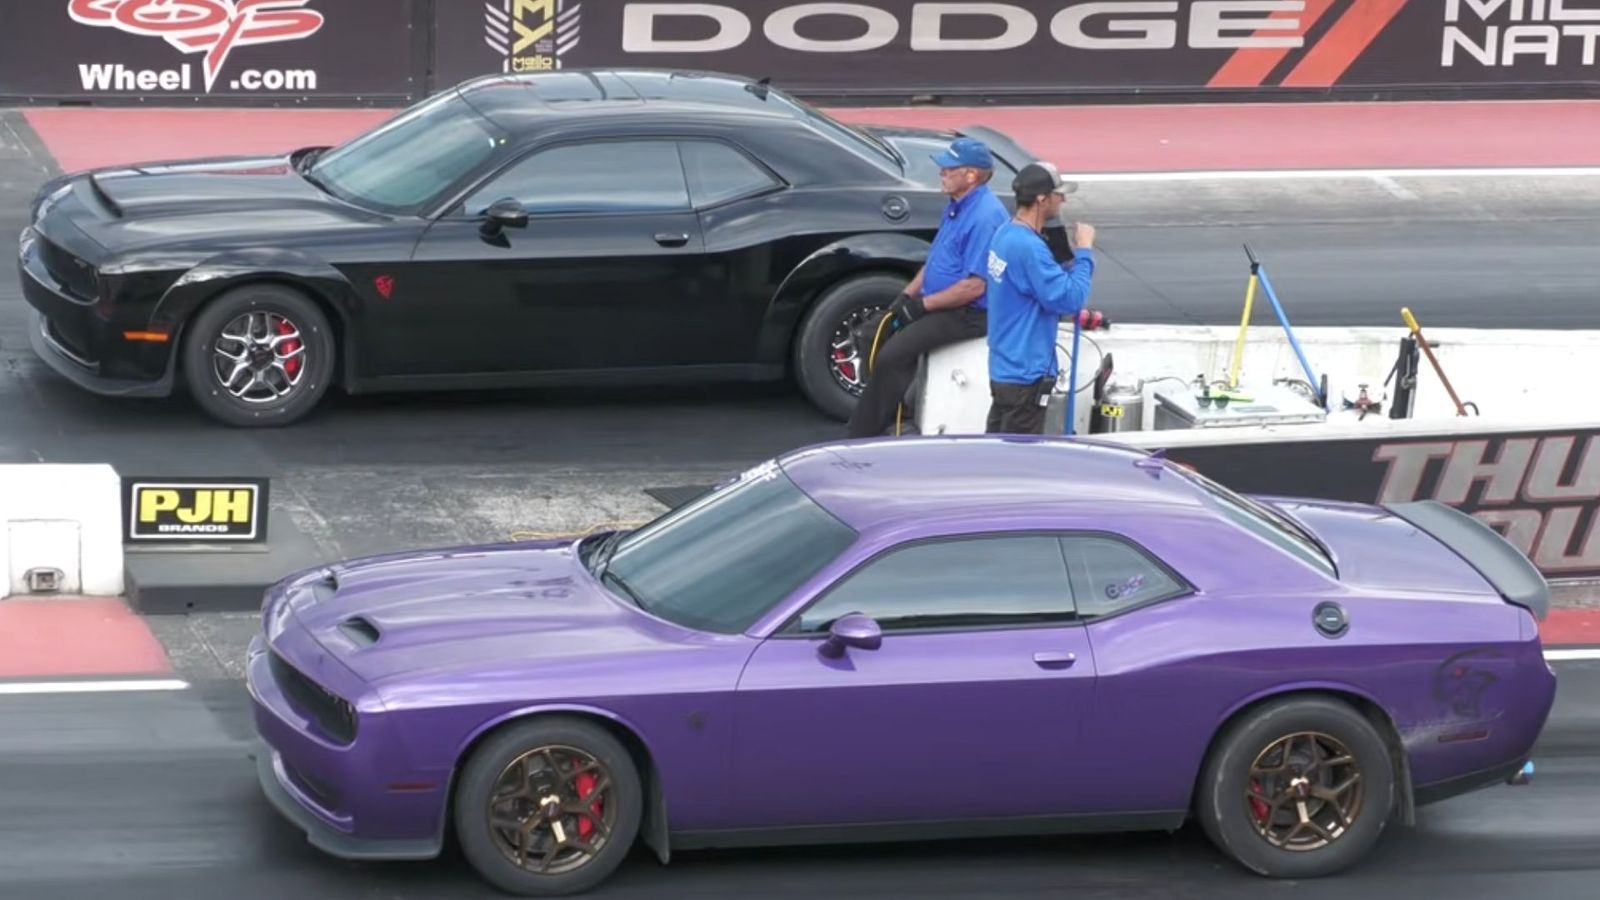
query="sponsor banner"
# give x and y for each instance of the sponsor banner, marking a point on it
(481, 37)
(195, 510)
(165, 50)
(1539, 489)
(1056, 47)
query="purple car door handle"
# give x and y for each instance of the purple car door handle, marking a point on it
(1055, 660)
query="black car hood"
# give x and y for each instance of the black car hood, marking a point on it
(207, 186)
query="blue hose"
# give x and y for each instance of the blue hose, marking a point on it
(1305, 364)
(1072, 377)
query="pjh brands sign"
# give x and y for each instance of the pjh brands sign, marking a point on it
(1540, 489)
(164, 49)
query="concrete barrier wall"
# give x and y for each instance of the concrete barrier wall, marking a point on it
(1511, 375)
(61, 524)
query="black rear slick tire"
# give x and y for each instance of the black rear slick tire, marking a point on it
(813, 345)
(1223, 809)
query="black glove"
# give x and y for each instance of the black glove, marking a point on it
(907, 308)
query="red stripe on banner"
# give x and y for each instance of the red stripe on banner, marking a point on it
(1565, 627)
(64, 637)
(1248, 66)
(1349, 37)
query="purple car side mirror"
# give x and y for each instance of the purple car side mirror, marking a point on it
(853, 630)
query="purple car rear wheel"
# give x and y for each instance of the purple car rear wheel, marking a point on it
(1298, 788)
(548, 807)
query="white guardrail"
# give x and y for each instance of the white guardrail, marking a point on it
(1513, 376)
(60, 530)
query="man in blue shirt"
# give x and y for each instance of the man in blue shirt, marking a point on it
(944, 303)
(1029, 292)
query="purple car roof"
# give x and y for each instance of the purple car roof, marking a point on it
(879, 482)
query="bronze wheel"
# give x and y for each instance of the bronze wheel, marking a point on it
(549, 813)
(1299, 787)
(548, 806)
(1304, 792)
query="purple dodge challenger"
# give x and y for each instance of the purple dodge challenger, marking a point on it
(914, 638)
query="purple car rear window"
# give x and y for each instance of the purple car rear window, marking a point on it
(720, 562)
(1274, 527)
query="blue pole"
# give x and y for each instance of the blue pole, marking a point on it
(1284, 320)
(1072, 377)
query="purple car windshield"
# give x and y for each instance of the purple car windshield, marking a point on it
(720, 562)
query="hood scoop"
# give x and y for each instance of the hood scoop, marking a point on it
(360, 631)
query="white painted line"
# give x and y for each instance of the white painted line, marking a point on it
(1307, 174)
(1572, 654)
(92, 687)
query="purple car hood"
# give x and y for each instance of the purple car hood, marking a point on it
(1376, 550)
(452, 611)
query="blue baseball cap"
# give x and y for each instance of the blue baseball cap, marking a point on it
(965, 152)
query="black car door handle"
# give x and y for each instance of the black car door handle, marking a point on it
(1055, 660)
(672, 240)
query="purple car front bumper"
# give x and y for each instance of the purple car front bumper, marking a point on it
(360, 800)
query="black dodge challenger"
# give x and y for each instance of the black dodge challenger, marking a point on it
(580, 227)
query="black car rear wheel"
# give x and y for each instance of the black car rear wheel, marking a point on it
(1299, 788)
(548, 807)
(259, 355)
(832, 350)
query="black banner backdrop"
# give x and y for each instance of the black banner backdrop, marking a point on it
(162, 51)
(1064, 47)
(1540, 489)
(395, 51)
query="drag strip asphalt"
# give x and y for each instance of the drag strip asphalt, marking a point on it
(151, 796)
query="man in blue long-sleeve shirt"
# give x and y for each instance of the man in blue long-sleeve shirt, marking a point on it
(1028, 293)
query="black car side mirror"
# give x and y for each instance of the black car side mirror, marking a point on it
(507, 212)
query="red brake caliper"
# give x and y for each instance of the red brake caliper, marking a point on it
(1257, 805)
(847, 369)
(586, 783)
(292, 366)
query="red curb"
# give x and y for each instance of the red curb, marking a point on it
(63, 637)
(1567, 627)
(1078, 139)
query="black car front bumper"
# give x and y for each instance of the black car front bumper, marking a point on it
(87, 348)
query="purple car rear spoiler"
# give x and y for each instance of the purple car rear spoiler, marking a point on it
(1481, 547)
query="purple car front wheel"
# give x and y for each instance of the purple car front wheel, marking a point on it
(548, 806)
(550, 813)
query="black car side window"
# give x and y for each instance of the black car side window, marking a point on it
(718, 173)
(597, 177)
(974, 582)
(1110, 575)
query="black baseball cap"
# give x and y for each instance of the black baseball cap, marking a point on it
(1038, 178)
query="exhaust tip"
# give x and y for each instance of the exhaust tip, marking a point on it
(1523, 776)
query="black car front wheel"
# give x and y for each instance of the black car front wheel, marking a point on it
(259, 355)
(833, 351)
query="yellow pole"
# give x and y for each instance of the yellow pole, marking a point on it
(1244, 324)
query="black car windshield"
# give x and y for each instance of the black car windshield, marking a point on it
(1264, 521)
(718, 563)
(405, 163)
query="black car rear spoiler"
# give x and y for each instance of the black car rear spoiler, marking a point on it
(1502, 565)
(1001, 144)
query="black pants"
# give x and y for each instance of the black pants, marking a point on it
(898, 356)
(1018, 408)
